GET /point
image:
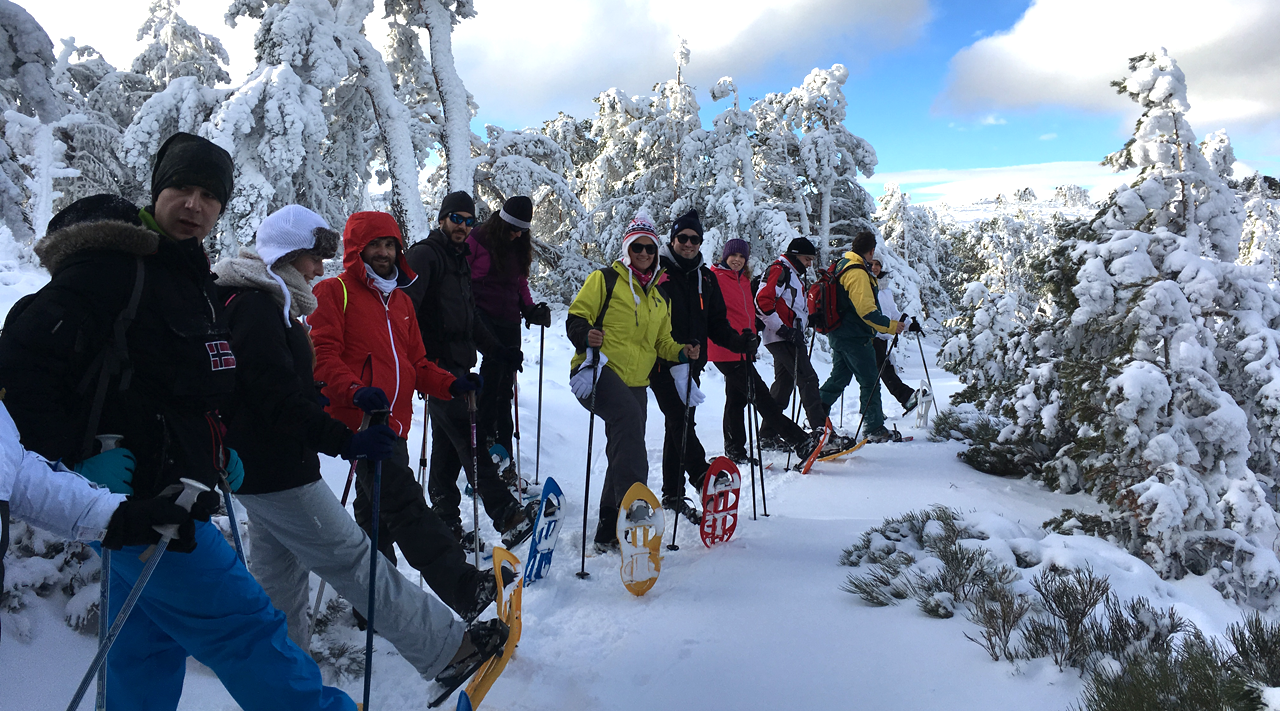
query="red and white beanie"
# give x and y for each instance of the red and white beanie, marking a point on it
(641, 226)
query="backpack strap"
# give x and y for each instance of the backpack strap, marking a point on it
(344, 293)
(115, 359)
(610, 281)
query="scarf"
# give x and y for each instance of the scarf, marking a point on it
(387, 285)
(282, 281)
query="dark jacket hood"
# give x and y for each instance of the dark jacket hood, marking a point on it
(54, 249)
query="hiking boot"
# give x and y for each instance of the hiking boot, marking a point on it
(738, 455)
(486, 591)
(774, 442)
(519, 526)
(606, 547)
(469, 542)
(482, 641)
(884, 434)
(681, 506)
(912, 401)
(805, 449)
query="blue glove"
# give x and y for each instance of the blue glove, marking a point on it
(235, 470)
(112, 469)
(376, 443)
(371, 399)
(469, 382)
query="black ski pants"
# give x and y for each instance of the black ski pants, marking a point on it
(889, 374)
(790, 371)
(679, 432)
(741, 379)
(494, 417)
(406, 520)
(451, 451)
(624, 411)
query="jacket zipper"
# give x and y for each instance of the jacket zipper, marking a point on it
(395, 357)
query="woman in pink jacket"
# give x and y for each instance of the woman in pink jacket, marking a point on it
(740, 377)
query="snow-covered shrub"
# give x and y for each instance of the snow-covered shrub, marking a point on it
(336, 643)
(38, 564)
(1063, 631)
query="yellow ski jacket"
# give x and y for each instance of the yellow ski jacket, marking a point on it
(637, 326)
(860, 287)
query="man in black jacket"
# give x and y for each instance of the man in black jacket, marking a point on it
(124, 340)
(451, 333)
(697, 313)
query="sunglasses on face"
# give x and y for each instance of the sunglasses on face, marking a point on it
(638, 247)
(686, 239)
(457, 219)
(517, 230)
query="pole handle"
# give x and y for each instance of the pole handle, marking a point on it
(109, 441)
(191, 489)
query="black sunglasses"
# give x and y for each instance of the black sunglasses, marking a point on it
(686, 239)
(460, 220)
(517, 230)
(638, 247)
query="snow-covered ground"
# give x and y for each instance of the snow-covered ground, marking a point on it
(757, 623)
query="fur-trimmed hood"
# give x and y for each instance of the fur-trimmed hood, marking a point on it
(56, 247)
(249, 271)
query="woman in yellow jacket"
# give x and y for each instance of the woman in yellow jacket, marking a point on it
(621, 324)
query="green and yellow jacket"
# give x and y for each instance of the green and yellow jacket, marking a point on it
(859, 298)
(637, 325)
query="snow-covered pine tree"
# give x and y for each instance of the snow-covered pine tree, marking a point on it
(912, 232)
(1161, 341)
(179, 49)
(830, 156)
(1260, 240)
(457, 107)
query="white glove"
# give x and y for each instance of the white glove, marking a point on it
(581, 380)
(680, 373)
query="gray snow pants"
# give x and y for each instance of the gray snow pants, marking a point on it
(624, 411)
(305, 530)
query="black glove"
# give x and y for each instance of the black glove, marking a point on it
(376, 443)
(468, 382)
(750, 342)
(538, 315)
(134, 521)
(915, 326)
(206, 505)
(794, 335)
(371, 399)
(320, 396)
(515, 358)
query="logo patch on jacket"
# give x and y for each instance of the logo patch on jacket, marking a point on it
(220, 355)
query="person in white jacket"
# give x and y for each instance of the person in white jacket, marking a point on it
(57, 500)
(903, 393)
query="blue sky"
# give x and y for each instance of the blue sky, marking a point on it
(960, 98)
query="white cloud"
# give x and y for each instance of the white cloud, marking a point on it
(968, 185)
(993, 120)
(1048, 136)
(1066, 52)
(525, 65)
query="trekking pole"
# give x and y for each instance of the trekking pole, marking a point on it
(190, 490)
(537, 457)
(377, 417)
(422, 455)
(751, 440)
(475, 481)
(515, 399)
(684, 441)
(591, 431)
(929, 380)
(841, 408)
(108, 441)
(862, 404)
(795, 390)
(346, 491)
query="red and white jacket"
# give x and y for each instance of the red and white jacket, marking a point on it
(781, 299)
(364, 337)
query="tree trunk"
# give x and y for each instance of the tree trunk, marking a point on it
(453, 97)
(393, 123)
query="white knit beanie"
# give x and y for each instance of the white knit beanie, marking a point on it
(289, 230)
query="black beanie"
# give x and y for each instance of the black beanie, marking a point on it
(687, 221)
(187, 159)
(94, 209)
(456, 202)
(802, 246)
(518, 211)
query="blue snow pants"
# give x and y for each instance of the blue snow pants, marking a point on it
(206, 604)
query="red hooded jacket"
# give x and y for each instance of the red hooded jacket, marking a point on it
(364, 338)
(740, 309)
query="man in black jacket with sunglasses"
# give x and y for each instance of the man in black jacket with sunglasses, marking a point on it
(697, 314)
(451, 333)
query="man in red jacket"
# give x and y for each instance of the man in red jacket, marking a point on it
(369, 353)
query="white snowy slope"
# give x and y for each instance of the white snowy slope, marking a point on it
(757, 623)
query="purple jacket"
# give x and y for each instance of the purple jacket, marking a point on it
(499, 296)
